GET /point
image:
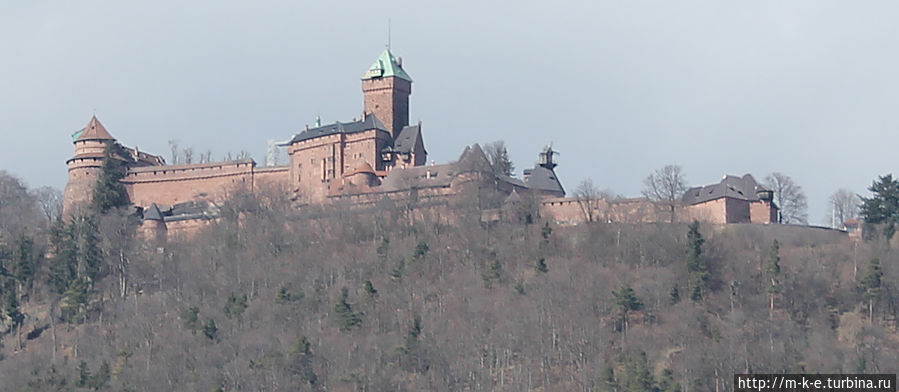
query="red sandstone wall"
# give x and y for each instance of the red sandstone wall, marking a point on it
(388, 99)
(762, 212)
(169, 185)
(737, 210)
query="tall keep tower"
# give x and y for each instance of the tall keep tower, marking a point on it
(84, 167)
(387, 87)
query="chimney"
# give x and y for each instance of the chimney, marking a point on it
(399, 61)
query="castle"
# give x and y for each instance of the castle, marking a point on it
(378, 156)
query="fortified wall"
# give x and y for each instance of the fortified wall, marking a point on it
(376, 161)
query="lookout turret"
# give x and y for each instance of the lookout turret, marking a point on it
(387, 87)
(84, 167)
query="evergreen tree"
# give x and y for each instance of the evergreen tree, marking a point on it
(109, 192)
(370, 291)
(667, 382)
(696, 266)
(674, 295)
(400, 269)
(871, 285)
(235, 305)
(772, 270)
(300, 361)
(191, 319)
(883, 207)
(625, 302)
(607, 381)
(383, 248)
(99, 380)
(75, 300)
(498, 156)
(541, 265)
(421, 250)
(492, 274)
(637, 377)
(64, 263)
(25, 261)
(211, 330)
(84, 375)
(89, 256)
(346, 317)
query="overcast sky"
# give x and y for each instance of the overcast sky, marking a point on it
(807, 88)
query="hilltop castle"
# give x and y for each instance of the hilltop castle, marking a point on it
(365, 161)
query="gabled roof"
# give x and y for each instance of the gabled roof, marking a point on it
(742, 188)
(416, 177)
(542, 179)
(513, 198)
(153, 213)
(407, 138)
(386, 66)
(473, 159)
(369, 122)
(93, 131)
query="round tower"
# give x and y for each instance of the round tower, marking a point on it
(84, 167)
(387, 87)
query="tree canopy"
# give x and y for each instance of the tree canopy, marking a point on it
(883, 207)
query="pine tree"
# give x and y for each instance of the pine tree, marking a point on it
(637, 377)
(607, 381)
(64, 263)
(235, 305)
(75, 300)
(383, 248)
(541, 265)
(674, 295)
(696, 266)
(109, 192)
(211, 330)
(346, 317)
(772, 270)
(25, 261)
(625, 302)
(421, 250)
(300, 361)
(883, 207)
(871, 285)
(370, 291)
(492, 274)
(400, 269)
(89, 256)
(84, 375)
(667, 382)
(99, 380)
(191, 319)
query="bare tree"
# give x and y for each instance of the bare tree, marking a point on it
(188, 154)
(789, 197)
(49, 199)
(176, 151)
(590, 199)
(844, 205)
(666, 185)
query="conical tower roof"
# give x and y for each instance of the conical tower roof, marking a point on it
(93, 131)
(386, 66)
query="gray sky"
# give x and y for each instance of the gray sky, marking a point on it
(807, 88)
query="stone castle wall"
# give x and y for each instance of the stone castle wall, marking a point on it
(170, 185)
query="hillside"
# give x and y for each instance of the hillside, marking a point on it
(269, 298)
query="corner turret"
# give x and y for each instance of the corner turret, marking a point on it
(84, 167)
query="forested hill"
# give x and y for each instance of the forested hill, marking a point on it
(269, 298)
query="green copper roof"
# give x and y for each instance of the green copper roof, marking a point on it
(76, 135)
(385, 66)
